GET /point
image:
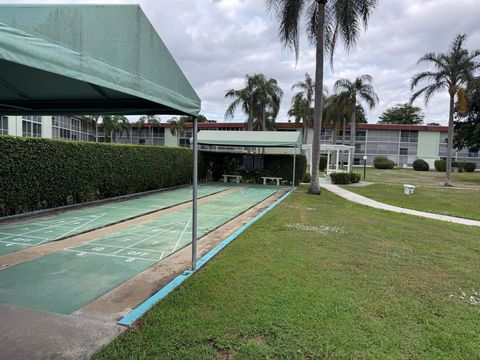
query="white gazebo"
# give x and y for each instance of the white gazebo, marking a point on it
(335, 156)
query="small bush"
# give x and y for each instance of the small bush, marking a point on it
(420, 165)
(344, 178)
(323, 163)
(307, 178)
(470, 167)
(440, 165)
(382, 162)
(354, 177)
(459, 165)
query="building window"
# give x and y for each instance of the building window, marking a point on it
(32, 126)
(72, 128)
(184, 140)
(409, 136)
(3, 125)
(403, 151)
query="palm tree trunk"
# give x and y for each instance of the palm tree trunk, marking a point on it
(334, 134)
(353, 133)
(448, 173)
(304, 131)
(318, 106)
(344, 129)
(264, 122)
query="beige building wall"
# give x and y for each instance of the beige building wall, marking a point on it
(170, 140)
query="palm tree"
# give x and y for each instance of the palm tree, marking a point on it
(452, 72)
(326, 22)
(245, 98)
(151, 121)
(303, 114)
(121, 124)
(267, 98)
(178, 126)
(302, 103)
(360, 89)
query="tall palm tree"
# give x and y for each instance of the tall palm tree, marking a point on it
(303, 114)
(267, 98)
(360, 89)
(334, 113)
(452, 72)
(302, 104)
(326, 21)
(243, 98)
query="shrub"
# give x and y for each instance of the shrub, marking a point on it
(212, 165)
(420, 165)
(382, 162)
(307, 178)
(323, 163)
(470, 167)
(44, 173)
(340, 178)
(440, 165)
(459, 165)
(354, 177)
(344, 178)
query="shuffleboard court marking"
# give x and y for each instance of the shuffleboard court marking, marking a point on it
(181, 235)
(99, 216)
(150, 236)
(83, 253)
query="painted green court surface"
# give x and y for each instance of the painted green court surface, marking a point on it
(66, 280)
(25, 233)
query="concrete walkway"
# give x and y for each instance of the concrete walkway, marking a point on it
(359, 199)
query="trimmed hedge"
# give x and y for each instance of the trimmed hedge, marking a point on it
(470, 167)
(212, 165)
(420, 165)
(459, 165)
(344, 178)
(355, 177)
(43, 173)
(382, 162)
(440, 165)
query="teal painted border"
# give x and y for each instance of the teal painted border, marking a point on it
(140, 310)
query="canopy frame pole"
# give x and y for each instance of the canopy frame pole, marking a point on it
(194, 194)
(294, 165)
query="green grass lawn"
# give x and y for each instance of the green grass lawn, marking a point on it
(430, 178)
(322, 278)
(446, 201)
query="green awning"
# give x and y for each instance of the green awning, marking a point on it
(250, 138)
(87, 59)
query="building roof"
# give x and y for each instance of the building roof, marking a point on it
(87, 59)
(434, 128)
(250, 138)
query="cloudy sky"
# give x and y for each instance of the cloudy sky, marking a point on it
(217, 42)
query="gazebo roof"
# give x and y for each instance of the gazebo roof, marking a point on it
(289, 139)
(87, 59)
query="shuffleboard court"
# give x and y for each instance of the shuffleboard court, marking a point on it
(65, 281)
(32, 232)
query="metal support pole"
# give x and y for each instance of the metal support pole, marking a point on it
(194, 194)
(364, 169)
(294, 164)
